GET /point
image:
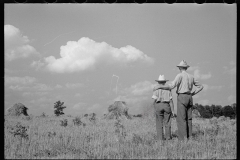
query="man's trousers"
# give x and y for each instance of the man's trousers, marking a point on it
(184, 115)
(163, 115)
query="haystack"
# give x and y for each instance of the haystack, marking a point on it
(195, 113)
(17, 110)
(118, 108)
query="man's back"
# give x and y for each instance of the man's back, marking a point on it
(162, 95)
(184, 82)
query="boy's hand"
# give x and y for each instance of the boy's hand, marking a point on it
(174, 115)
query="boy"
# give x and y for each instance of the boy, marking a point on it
(164, 109)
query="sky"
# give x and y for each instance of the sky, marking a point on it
(89, 55)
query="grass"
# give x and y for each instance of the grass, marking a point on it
(49, 139)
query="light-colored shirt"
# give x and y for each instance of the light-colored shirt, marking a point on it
(184, 82)
(162, 95)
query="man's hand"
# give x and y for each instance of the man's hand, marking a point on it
(156, 87)
(193, 93)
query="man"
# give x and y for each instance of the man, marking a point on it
(163, 105)
(184, 82)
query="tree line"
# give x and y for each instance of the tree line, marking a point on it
(206, 111)
(209, 111)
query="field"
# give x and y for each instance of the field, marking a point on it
(48, 137)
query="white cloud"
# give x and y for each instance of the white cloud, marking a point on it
(198, 75)
(87, 54)
(19, 80)
(16, 45)
(37, 64)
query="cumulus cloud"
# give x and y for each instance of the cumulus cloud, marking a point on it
(16, 45)
(86, 54)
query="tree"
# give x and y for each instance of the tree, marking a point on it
(59, 108)
(217, 111)
(234, 105)
(228, 111)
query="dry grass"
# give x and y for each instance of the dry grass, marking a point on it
(48, 139)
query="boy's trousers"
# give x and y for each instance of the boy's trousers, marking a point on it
(184, 115)
(163, 114)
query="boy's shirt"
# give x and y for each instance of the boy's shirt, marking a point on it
(162, 95)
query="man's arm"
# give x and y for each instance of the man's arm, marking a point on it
(161, 86)
(172, 107)
(198, 86)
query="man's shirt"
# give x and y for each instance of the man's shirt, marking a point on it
(184, 83)
(162, 95)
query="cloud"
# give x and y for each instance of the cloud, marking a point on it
(74, 85)
(198, 75)
(140, 88)
(19, 80)
(207, 87)
(25, 83)
(192, 68)
(80, 105)
(58, 86)
(16, 45)
(86, 54)
(231, 69)
(96, 108)
(37, 64)
(204, 102)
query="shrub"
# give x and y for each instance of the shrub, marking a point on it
(77, 122)
(64, 123)
(19, 130)
(59, 108)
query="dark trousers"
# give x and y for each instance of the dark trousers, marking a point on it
(163, 114)
(184, 116)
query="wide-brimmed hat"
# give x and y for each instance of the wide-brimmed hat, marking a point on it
(183, 63)
(161, 78)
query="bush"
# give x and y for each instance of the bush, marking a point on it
(64, 123)
(59, 108)
(77, 122)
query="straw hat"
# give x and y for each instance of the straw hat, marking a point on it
(183, 63)
(161, 78)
